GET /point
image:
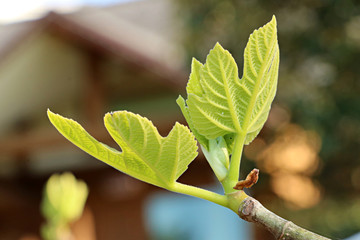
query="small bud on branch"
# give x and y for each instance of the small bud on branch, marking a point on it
(250, 180)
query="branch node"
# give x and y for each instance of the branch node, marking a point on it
(247, 208)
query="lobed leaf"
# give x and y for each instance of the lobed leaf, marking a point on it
(221, 104)
(145, 154)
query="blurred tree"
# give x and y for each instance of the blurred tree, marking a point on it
(319, 80)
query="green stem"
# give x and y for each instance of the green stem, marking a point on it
(233, 176)
(200, 193)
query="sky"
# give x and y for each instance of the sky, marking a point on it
(20, 10)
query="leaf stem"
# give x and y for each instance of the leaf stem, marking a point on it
(233, 176)
(200, 193)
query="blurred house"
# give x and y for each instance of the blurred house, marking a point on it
(82, 65)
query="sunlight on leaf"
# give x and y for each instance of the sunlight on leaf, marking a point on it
(145, 154)
(221, 104)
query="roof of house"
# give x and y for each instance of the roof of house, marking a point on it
(142, 32)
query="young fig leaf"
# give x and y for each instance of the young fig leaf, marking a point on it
(194, 86)
(221, 104)
(145, 154)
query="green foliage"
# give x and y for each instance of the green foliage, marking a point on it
(145, 154)
(223, 111)
(219, 103)
(63, 202)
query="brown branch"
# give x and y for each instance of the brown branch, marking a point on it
(252, 210)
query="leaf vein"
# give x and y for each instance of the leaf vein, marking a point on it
(214, 121)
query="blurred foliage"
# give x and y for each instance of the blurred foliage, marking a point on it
(63, 203)
(319, 79)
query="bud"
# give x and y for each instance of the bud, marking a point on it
(218, 157)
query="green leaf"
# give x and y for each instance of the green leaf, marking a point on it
(145, 154)
(219, 103)
(213, 111)
(194, 86)
(261, 67)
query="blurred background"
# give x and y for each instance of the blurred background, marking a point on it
(84, 58)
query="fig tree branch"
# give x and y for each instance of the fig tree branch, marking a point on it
(252, 210)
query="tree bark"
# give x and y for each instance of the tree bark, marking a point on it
(252, 210)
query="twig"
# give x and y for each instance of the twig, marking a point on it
(252, 210)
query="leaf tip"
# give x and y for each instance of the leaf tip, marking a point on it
(180, 100)
(273, 19)
(112, 114)
(49, 112)
(109, 114)
(184, 128)
(52, 116)
(180, 126)
(220, 51)
(194, 61)
(218, 46)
